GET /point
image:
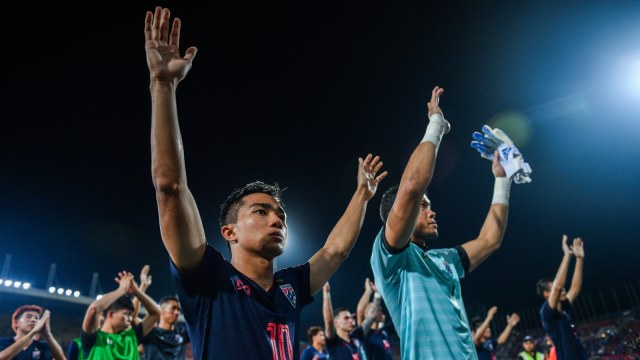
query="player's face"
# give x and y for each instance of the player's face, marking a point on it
(27, 321)
(261, 227)
(120, 319)
(319, 338)
(528, 345)
(345, 321)
(426, 227)
(170, 311)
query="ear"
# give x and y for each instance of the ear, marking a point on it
(229, 233)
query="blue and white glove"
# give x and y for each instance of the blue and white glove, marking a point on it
(491, 140)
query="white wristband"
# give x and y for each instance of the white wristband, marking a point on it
(501, 191)
(435, 129)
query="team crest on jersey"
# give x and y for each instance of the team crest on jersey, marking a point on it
(289, 293)
(239, 285)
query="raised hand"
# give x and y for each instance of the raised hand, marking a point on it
(40, 326)
(326, 288)
(578, 248)
(367, 170)
(513, 320)
(496, 167)
(492, 312)
(145, 278)
(433, 106)
(163, 47)
(565, 247)
(126, 282)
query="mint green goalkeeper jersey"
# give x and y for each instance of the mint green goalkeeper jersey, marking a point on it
(421, 290)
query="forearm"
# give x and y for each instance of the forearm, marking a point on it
(362, 305)
(15, 348)
(559, 281)
(167, 155)
(490, 237)
(576, 280)
(90, 319)
(481, 329)
(505, 334)
(56, 349)
(327, 313)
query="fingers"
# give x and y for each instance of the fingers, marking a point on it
(174, 39)
(155, 26)
(435, 95)
(382, 176)
(164, 25)
(148, 21)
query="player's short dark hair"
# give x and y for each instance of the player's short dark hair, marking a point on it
(123, 302)
(21, 310)
(313, 331)
(229, 209)
(337, 312)
(542, 286)
(476, 322)
(167, 299)
(388, 198)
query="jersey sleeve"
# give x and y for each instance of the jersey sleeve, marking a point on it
(195, 286)
(385, 261)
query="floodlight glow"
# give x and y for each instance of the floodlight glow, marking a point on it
(8, 283)
(1, 281)
(17, 284)
(60, 291)
(98, 297)
(68, 292)
(26, 286)
(52, 289)
(76, 293)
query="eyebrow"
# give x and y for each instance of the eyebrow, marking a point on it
(277, 209)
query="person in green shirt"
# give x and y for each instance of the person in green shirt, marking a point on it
(117, 339)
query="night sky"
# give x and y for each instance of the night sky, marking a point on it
(294, 93)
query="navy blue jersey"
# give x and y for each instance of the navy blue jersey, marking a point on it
(560, 328)
(37, 350)
(310, 353)
(228, 316)
(377, 344)
(487, 349)
(341, 350)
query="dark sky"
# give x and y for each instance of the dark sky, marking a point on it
(294, 93)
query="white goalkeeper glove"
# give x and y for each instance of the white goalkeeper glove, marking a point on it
(491, 140)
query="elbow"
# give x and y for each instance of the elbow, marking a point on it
(168, 186)
(413, 188)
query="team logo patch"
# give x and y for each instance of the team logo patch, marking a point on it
(289, 293)
(240, 286)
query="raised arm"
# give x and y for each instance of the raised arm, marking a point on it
(477, 336)
(576, 282)
(145, 282)
(327, 311)
(56, 349)
(416, 177)
(561, 275)
(370, 314)
(90, 322)
(180, 223)
(153, 310)
(512, 321)
(345, 233)
(14, 349)
(490, 237)
(364, 300)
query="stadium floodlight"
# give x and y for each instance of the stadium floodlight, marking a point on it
(17, 284)
(68, 292)
(26, 285)
(1, 281)
(99, 297)
(76, 293)
(8, 283)
(52, 289)
(60, 291)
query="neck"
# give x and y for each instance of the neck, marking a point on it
(419, 241)
(19, 335)
(318, 347)
(108, 328)
(165, 325)
(344, 335)
(256, 268)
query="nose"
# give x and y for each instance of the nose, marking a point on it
(276, 221)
